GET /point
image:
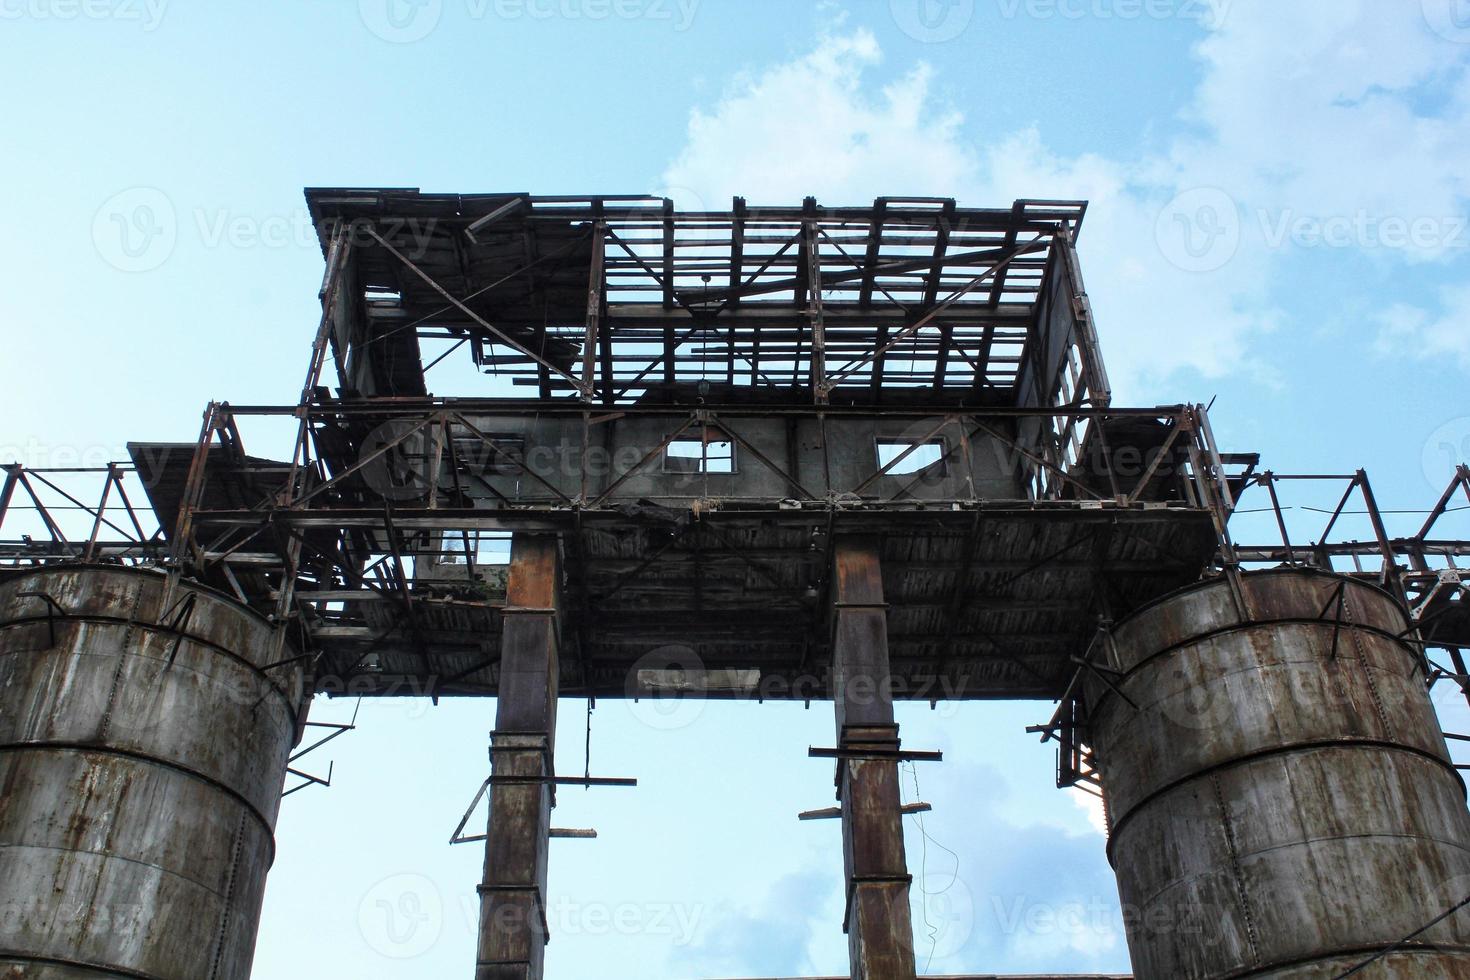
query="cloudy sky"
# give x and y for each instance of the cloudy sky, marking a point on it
(1277, 222)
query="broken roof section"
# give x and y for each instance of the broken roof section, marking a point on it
(624, 299)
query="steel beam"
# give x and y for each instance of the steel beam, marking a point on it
(880, 938)
(513, 930)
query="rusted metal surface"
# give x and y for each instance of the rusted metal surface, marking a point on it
(1280, 797)
(880, 936)
(142, 754)
(513, 933)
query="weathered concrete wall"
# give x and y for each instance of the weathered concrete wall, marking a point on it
(838, 457)
(142, 755)
(1281, 801)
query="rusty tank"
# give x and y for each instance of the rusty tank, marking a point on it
(1280, 800)
(144, 736)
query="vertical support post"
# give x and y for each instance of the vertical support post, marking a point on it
(880, 938)
(513, 931)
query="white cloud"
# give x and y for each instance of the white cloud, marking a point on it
(1415, 332)
(1298, 117)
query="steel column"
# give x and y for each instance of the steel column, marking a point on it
(513, 932)
(877, 921)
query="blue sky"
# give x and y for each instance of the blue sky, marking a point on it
(1278, 222)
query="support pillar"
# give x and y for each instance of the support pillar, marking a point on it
(879, 930)
(513, 932)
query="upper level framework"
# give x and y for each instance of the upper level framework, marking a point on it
(623, 300)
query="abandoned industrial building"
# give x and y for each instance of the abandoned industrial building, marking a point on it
(887, 429)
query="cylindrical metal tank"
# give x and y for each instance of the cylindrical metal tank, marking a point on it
(1281, 803)
(142, 755)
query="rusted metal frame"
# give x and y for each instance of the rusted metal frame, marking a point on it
(400, 576)
(1205, 487)
(524, 270)
(1153, 467)
(479, 320)
(931, 292)
(440, 429)
(762, 458)
(653, 274)
(734, 299)
(1460, 480)
(1038, 460)
(596, 288)
(1270, 484)
(815, 320)
(1098, 427)
(648, 458)
(122, 493)
(883, 470)
(1095, 372)
(192, 497)
(524, 468)
(337, 253)
(245, 534)
(1389, 575)
(737, 245)
(101, 509)
(456, 346)
(923, 321)
(7, 491)
(339, 561)
(1216, 461)
(670, 342)
(1338, 511)
(987, 344)
(366, 461)
(42, 511)
(868, 280)
(669, 232)
(830, 279)
(997, 287)
(97, 514)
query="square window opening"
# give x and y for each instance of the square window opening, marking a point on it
(921, 456)
(713, 452)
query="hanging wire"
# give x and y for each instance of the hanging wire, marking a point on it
(925, 841)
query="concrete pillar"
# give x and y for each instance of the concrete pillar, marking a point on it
(143, 747)
(877, 921)
(513, 932)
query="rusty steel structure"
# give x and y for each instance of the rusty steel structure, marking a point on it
(886, 429)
